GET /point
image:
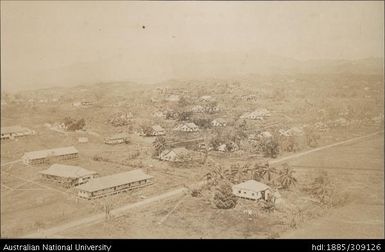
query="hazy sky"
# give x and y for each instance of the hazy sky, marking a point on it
(36, 36)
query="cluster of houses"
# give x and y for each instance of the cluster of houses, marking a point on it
(14, 132)
(256, 115)
(86, 183)
(187, 127)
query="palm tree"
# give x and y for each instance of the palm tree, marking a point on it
(269, 171)
(263, 171)
(286, 178)
(159, 144)
(322, 187)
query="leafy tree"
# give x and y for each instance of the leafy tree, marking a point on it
(271, 148)
(184, 115)
(322, 188)
(289, 144)
(81, 123)
(224, 197)
(262, 171)
(311, 137)
(72, 124)
(68, 121)
(146, 129)
(183, 102)
(267, 205)
(204, 123)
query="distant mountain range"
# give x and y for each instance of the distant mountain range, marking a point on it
(154, 68)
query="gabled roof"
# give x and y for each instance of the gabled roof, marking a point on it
(113, 180)
(191, 125)
(178, 151)
(67, 171)
(188, 125)
(51, 152)
(252, 185)
(118, 136)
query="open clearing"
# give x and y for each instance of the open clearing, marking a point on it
(362, 216)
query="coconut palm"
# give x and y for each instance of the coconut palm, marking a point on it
(286, 178)
(159, 144)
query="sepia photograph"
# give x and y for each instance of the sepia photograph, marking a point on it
(191, 120)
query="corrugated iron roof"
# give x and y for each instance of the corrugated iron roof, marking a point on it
(113, 180)
(252, 185)
(67, 171)
(118, 136)
(51, 152)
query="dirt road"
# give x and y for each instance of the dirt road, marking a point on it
(99, 217)
(180, 191)
(358, 170)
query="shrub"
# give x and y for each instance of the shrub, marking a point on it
(224, 197)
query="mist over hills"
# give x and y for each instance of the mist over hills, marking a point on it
(160, 67)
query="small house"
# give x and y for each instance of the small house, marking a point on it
(175, 155)
(117, 139)
(206, 98)
(157, 130)
(252, 190)
(187, 127)
(256, 115)
(219, 122)
(229, 147)
(67, 175)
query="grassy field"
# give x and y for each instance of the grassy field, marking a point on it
(356, 169)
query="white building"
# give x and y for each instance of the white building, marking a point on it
(252, 190)
(187, 127)
(117, 139)
(157, 130)
(206, 98)
(113, 184)
(13, 132)
(218, 122)
(256, 115)
(67, 175)
(43, 156)
(175, 155)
